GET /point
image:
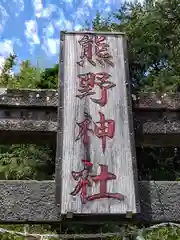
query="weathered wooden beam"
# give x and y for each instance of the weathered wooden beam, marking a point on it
(49, 98)
(34, 201)
(28, 97)
(27, 131)
(30, 116)
(157, 101)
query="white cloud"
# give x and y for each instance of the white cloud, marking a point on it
(42, 12)
(51, 46)
(38, 7)
(77, 27)
(107, 9)
(31, 31)
(3, 18)
(14, 6)
(6, 47)
(62, 23)
(49, 30)
(47, 12)
(89, 3)
(17, 41)
(19, 6)
(79, 17)
(81, 13)
(68, 1)
(140, 1)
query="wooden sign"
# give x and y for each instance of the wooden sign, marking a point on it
(96, 156)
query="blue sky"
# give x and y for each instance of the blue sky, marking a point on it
(31, 28)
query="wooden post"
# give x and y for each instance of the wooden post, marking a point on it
(96, 159)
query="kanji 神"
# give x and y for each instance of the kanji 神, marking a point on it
(104, 128)
(94, 45)
(86, 179)
(84, 128)
(89, 80)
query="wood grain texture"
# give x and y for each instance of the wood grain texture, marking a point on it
(119, 151)
(60, 120)
(34, 201)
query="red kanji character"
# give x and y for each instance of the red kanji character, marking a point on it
(86, 43)
(84, 181)
(101, 51)
(87, 82)
(104, 84)
(106, 129)
(102, 178)
(84, 128)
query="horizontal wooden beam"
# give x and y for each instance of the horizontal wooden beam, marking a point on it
(28, 97)
(49, 98)
(30, 116)
(157, 101)
(27, 131)
(147, 132)
(34, 201)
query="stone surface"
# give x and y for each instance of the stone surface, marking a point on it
(33, 201)
(27, 201)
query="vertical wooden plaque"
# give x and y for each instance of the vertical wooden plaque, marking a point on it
(96, 163)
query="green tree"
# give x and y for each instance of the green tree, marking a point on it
(24, 162)
(28, 76)
(153, 42)
(6, 76)
(49, 78)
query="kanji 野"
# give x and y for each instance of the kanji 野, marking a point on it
(103, 129)
(94, 45)
(86, 179)
(89, 80)
(86, 84)
(84, 129)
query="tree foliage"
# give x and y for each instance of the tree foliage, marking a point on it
(22, 161)
(49, 78)
(6, 72)
(153, 31)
